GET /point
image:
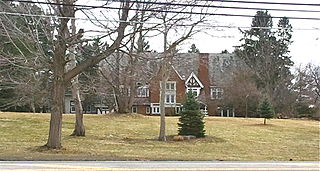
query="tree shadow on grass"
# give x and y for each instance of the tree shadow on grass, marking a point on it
(206, 139)
(45, 149)
(262, 125)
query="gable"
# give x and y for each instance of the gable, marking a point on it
(193, 81)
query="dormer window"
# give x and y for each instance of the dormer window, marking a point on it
(194, 85)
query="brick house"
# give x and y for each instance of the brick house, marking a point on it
(203, 74)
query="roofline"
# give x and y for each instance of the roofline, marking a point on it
(177, 72)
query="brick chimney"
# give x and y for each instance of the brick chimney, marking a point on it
(203, 75)
(203, 72)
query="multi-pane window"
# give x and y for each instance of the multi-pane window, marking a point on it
(216, 93)
(72, 106)
(143, 91)
(170, 98)
(124, 90)
(170, 86)
(155, 110)
(147, 110)
(134, 110)
(195, 91)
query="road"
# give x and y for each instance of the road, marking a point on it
(157, 165)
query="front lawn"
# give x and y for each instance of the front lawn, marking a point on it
(133, 137)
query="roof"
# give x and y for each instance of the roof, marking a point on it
(220, 66)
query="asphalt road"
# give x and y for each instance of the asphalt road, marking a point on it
(157, 165)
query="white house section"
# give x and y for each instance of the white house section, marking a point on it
(193, 84)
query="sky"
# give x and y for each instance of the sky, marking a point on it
(306, 33)
(306, 43)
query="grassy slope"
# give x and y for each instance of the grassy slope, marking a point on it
(133, 138)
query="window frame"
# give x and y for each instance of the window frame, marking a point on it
(136, 109)
(171, 85)
(216, 92)
(143, 91)
(148, 111)
(170, 98)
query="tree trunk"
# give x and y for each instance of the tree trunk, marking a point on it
(57, 108)
(162, 134)
(265, 121)
(123, 104)
(33, 106)
(79, 129)
(54, 139)
(164, 78)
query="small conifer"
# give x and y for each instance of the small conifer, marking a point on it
(191, 120)
(265, 110)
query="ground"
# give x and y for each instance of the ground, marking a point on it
(133, 137)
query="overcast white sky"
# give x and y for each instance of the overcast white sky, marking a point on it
(306, 43)
(304, 49)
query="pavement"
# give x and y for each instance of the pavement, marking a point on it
(159, 165)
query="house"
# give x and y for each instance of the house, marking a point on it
(203, 74)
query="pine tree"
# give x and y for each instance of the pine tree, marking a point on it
(265, 110)
(191, 120)
(193, 49)
(266, 52)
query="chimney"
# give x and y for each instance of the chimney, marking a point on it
(203, 72)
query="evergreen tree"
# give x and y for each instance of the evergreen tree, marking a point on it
(265, 110)
(24, 59)
(193, 49)
(191, 120)
(266, 53)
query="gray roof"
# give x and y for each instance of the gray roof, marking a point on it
(221, 66)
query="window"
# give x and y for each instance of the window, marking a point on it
(124, 90)
(72, 106)
(216, 93)
(170, 98)
(155, 110)
(195, 91)
(143, 91)
(178, 109)
(147, 110)
(134, 110)
(170, 85)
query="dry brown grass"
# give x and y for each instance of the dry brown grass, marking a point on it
(133, 137)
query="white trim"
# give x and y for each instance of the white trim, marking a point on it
(193, 88)
(177, 72)
(215, 91)
(148, 110)
(195, 77)
(134, 108)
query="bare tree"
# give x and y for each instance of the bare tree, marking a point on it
(79, 129)
(314, 75)
(306, 88)
(63, 77)
(241, 93)
(170, 49)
